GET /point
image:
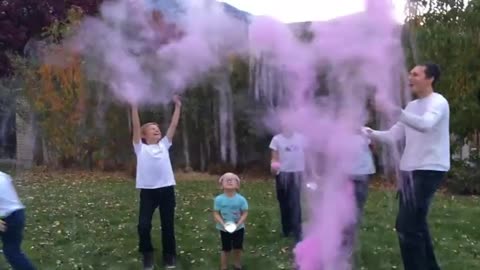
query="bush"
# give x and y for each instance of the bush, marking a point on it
(221, 168)
(464, 177)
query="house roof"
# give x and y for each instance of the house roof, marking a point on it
(171, 8)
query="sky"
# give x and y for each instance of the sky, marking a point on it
(290, 11)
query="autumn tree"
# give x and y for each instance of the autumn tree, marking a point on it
(22, 20)
(447, 33)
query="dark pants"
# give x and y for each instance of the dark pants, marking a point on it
(360, 185)
(414, 237)
(288, 195)
(151, 199)
(12, 241)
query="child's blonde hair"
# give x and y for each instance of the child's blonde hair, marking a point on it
(146, 125)
(229, 175)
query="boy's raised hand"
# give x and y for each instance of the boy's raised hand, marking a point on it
(135, 123)
(177, 100)
(3, 226)
(175, 117)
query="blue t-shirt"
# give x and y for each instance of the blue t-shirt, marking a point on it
(230, 208)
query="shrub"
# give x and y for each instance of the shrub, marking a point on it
(464, 177)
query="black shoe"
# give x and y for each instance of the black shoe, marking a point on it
(170, 262)
(148, 261)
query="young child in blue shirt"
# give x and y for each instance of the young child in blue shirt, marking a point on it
(231, 207)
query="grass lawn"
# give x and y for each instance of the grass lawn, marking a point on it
(85, 221)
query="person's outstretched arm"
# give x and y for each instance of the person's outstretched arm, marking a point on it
(136, 125)
(395, 133)
(175, 118)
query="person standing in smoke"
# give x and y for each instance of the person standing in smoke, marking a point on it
(424, 124)
(288, 166)
(360, 175)
(156, 182)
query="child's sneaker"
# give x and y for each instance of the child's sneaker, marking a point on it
(148, 261)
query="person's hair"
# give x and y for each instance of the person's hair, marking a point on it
(432, 70)
(144, 127)
(229, 175)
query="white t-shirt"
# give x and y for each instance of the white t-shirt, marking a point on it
(425, 125)
(9, 201)
(291, 152)
(363, 162)
(154, 169)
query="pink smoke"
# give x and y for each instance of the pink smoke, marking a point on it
(146, 63)
(145, 58)
(363, 59)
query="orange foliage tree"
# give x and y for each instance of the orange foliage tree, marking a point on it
(58, 101)
(75, 117)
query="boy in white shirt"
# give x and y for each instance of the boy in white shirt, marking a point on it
(288, 166)
(424, 124)
(12, 223)
(156, 182)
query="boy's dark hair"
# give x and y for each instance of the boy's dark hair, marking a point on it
(432, 70)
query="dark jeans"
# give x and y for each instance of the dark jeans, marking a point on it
(414, 237)
(288, 195)
(12, 241)
(151, 199)
(360, 184)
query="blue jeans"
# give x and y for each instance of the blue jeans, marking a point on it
(12, 241)
(414, 237)
(288, 185)
(360, 184)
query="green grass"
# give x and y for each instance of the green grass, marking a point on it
(89, 222)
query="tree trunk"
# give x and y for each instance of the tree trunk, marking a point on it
(231, 126)
(25, 133)
(208, 148)
(203, 165)
(223, 119)
(45, 151)
(186, 147)
(215, 130)
(129, 118)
